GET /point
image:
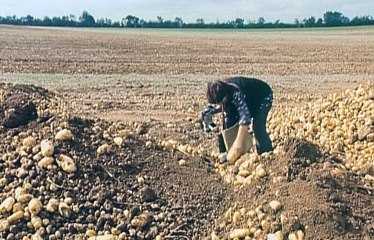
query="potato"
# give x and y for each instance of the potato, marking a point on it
(63, 135)
(239, 233)
(35, 206)
(15, 217)
(29, 142)
(66, 163)
(47, 148)
(7, 205)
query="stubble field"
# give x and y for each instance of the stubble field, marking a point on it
(137, 95)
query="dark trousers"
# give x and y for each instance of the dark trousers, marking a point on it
(263, 141)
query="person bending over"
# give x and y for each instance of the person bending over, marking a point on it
(244, 101)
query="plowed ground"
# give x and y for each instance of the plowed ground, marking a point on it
(158, 78)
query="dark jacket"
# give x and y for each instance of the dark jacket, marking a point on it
(254, 90)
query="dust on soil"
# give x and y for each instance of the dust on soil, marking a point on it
(328, 201)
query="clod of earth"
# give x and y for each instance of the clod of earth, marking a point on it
(14, 116)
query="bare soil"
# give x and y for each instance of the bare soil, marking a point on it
(157, 78)
(330, 203)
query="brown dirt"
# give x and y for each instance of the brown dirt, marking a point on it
(329, 201)
(186, 52)
(189, 197)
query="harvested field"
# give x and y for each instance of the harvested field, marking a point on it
(132, 162)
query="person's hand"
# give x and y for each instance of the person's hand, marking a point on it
(234, 152)
(209, 110)
(237, 146)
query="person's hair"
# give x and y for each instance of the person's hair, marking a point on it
(216, 91)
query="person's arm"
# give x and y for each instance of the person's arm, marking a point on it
(238, 143)
(242, 108)
(244, 122)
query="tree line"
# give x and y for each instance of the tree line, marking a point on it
(329, 19)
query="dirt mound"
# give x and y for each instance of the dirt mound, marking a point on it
(65, 177)
(122, 184)
(330, 201)
(299, 155)
(318, 199)
(19, 108)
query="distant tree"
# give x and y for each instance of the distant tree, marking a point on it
(86, 20)
(72, 17)
(335, 19)
(66, 21)
(47, 21)
(319, 22)
(142, 23)
(103, 22)
(167, 24)
(116, 24)
(56, 21)
(310, 22)
(9, 20)
(200, 21)
(160, 19)
(261, 21)
(178, 22)
(28, 20)
(364, 20)
(239, 23)
(130, 21)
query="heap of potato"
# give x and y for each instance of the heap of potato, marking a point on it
(258, 223)
(342, 122)
(20, 202)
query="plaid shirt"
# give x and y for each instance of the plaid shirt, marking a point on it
(243, 112)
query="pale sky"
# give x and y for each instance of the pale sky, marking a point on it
(189, 10)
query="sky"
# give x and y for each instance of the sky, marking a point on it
(189, 10)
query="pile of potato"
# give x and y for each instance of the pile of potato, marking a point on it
(32, 205)
(19, 201)
(257, 223)
(343, 123)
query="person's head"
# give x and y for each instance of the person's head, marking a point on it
(217, 91)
